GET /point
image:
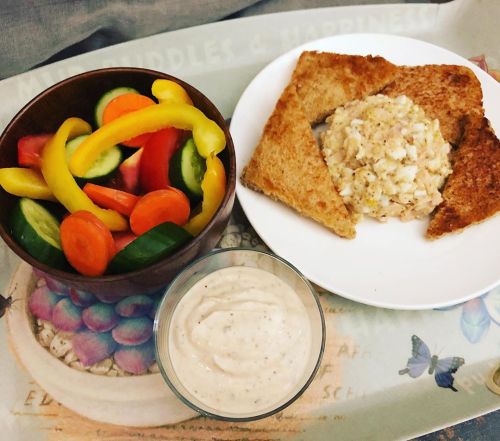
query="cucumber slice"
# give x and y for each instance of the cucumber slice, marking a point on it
(37, 231)
(149, 248)
(186, 170)
(103, 167)
(106, 98)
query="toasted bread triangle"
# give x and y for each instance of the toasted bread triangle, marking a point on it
(287, 166)
(472, 191)
(327, 80)
(445, 92)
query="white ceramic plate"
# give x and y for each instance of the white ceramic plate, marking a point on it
(390, 265)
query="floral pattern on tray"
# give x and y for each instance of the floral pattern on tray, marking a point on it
(479, 314)
(104, 336)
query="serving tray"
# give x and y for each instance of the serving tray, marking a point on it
(365, 387)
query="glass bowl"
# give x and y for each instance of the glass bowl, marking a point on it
(201, 268)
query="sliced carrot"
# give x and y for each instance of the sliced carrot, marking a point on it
(87, 243)
(157, 207)
(123, 104)
(122, 239)
(87, 215)
(106, 197)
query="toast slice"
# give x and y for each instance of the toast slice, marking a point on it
(447, 93)
(325, 81)
(472, 192)
(287, 166)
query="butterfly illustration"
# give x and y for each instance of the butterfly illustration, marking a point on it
(5, 303)
(441, 368)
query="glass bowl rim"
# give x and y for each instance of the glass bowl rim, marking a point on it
(296, 395)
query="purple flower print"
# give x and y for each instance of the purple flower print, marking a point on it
(479, 314)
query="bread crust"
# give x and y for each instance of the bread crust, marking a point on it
(447, 93)
(327, 80)
(472, 192)
(287, 166)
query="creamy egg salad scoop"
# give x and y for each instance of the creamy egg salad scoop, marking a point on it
(386, 157)
(242, 339)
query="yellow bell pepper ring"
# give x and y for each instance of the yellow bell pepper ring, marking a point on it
(63, 185)
(208, 136)
(167, 91)
(213, 186)
(25, 182)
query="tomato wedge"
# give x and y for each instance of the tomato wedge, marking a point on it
(157, 207)
(106, 197)
(87, 243)
(29, 149)
(123, 104)
(156, 156)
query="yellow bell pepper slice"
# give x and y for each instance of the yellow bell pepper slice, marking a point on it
(25, 182)
(213, 186)
(62, 183)
(208, 136)
(167, 91)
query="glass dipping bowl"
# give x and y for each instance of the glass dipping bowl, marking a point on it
(217, 260)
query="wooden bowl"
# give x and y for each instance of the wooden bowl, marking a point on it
(78, 96)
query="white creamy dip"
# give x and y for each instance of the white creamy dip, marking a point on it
(239, 340)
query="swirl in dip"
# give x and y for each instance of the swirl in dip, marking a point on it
(386, 157)
(239, 340)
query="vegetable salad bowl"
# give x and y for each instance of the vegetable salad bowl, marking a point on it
(77, 97)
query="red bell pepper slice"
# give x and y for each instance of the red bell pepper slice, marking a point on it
(105, 197)
(155, 160)
(122, 239)
(129, 171)
(29, 149)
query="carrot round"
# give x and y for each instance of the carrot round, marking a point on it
(157, 207)
(106, 197)
(123, 104)
(109, 237)
(87, 243)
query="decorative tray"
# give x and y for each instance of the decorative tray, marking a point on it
(369, 385)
